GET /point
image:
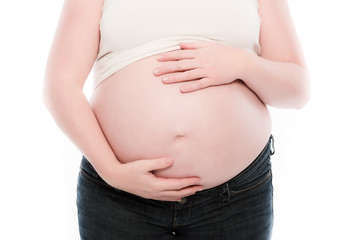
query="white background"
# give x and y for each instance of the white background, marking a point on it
(316, 166)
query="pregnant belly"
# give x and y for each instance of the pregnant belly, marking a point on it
(213, 133)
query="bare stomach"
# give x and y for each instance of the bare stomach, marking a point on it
(213, 133)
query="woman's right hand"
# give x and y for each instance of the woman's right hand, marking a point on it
(137, 177)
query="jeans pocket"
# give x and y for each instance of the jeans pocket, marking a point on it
(89, 174)
(255, 184)
(95, 179)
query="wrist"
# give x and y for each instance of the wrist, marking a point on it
(246, 61)
(108, 169)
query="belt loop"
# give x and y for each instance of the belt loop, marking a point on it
(272, 147)
(226, 192)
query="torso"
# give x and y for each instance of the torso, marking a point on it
(213, 133)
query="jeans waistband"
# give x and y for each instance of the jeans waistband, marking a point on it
(259, 167)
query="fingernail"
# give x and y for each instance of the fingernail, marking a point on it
(169, 160)
(165, 79)
(160, 57)
(156, 71)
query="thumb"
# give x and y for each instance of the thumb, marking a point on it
(159, 163)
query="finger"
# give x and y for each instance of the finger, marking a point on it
(184, 76)
(176, 55)
(166, 184)
(197, 85)
(194, 45)
(157, 163)
(175, 195)
(175, 66)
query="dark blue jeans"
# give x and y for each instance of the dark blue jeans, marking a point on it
(241, 208)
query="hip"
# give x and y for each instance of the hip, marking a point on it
(240, 208)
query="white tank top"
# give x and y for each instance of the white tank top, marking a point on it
(134, 29)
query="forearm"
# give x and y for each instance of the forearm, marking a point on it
(73, 114)
(277, 84)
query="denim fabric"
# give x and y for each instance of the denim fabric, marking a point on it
(238, 209)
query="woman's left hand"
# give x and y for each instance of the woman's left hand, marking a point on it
(205, 63)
